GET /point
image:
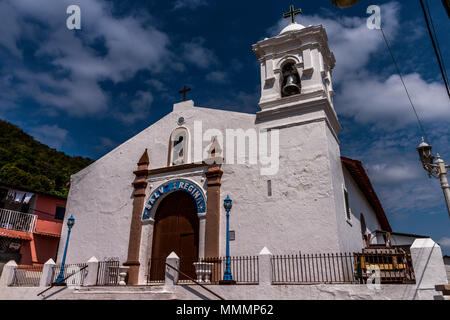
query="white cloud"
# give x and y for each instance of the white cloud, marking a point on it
(349, 38)
(394, 173)
(131, 44)
(384, 102)
(367, 97)
(139, 108)
(217, 76)
(52, 136)
(444, 242)
(197, 54)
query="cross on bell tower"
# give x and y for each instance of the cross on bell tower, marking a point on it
(292, 13)
(185, 89)
(296, 72)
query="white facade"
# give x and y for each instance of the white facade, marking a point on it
(305, 208)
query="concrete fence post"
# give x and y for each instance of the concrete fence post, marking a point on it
(47, 273)
(9, 270)
(265, 267)
(171, 277)
(91, 278)
(429, 269)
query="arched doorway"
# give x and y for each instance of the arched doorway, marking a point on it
(176, 229)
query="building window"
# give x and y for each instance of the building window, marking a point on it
(178, 152)
(347, 205)
(60, 212)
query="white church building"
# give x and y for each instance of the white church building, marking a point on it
(292, 191)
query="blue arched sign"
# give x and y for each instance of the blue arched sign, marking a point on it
(182, 185)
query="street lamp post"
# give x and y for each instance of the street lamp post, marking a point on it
(60, 279)
(437, 169)
(227, 276)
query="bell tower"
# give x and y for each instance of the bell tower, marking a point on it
(296, 68)
(297, 103)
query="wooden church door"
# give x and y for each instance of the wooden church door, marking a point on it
(176, 229)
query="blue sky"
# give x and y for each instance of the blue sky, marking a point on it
(86, 91)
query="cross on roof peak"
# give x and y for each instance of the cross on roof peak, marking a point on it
(292, 13)
(185, 89)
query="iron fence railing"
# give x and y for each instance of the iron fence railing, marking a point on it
(108, 272)
(312, 268)
(15, 220)
(27, 276)
(244, 269)
(75, 269)
(335, 268)
(392, 267)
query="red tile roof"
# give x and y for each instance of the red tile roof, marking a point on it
(361, 178)
(15, 234)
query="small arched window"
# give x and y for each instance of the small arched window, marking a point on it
(178, 150)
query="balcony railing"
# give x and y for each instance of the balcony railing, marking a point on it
(14, 220)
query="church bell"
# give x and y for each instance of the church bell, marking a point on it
(291, 87)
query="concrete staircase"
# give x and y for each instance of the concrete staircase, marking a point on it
(110, 293)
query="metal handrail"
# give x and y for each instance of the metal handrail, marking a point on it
(196, 282)
(9, 219)
(53, 285)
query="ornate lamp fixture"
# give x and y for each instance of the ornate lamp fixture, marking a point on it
(344, 3)
(436, 169)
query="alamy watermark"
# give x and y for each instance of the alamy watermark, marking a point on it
(74, 20)
(374, 280)
(374, 21)
(250, 146)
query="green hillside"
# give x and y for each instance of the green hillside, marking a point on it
(27, 163)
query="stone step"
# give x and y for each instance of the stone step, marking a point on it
(118, 293)
(154, 288)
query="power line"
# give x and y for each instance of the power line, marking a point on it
(436, 51)
(403, 82)
(437, 42)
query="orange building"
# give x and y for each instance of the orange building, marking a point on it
(30, 225)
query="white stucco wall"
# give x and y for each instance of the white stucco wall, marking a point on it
(305, 212)
(447, 266)
(101, 195)
(299, 216)
(351, 229)
(240, 292)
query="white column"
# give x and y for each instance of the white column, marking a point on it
(91, 278)
(47, 273)
(171, 277)
(428, 267)
(265, 267)
(202, 236)
(145, 250)
(8, 272)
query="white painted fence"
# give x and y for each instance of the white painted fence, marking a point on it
(15, 220)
